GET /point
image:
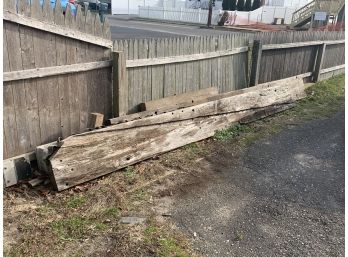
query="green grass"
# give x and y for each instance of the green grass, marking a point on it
(75, 228)
(129, 175)
(193, 150)
(139, 196)
(231, 132)
(72, 228)
(76, 201)
(165, 246)
(324, 99)
(111, 212)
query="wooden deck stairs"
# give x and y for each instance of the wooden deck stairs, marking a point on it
(304, 15)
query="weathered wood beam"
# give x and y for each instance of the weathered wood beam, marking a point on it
(182, 100)
(85, 157)
(287, 91)
(145, 114)
(54, 70)
(55, 29)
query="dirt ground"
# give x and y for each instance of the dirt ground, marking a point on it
(187, 199)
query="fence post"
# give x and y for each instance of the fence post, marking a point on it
(319, 62)
(249, 61)
(120, 85)
(180, 13)
(255, 65)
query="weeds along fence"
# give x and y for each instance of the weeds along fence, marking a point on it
(156, 68)
(57, 70)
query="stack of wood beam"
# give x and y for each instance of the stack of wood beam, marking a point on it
(164, 125)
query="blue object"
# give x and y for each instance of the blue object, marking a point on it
(63, 4)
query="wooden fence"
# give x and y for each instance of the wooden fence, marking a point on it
(150, 69)
(281, 59)
(57, 70)
(197, 62)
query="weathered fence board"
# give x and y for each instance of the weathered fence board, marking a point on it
(41, 102)
(187, 64)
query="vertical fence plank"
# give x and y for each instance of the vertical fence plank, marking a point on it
(120, 85)
(10, 128)
(18, 87)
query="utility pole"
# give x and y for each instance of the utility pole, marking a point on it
(210, 12)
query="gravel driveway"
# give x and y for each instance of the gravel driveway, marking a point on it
(283, 196)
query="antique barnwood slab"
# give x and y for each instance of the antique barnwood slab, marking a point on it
(285, 91)
(88, 156)
(296, 80)
(185, 99)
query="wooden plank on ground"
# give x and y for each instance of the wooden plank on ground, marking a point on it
(144, 114)
(290, 91)
(88, 156)
(173, 101)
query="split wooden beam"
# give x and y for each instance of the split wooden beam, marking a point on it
(296, 80)
(85, 157)
(286, 91)
(181, 100)
(89, 155)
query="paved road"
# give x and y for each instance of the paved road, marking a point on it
(284, 196)
(124, 29)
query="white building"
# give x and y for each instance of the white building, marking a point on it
(132, 6)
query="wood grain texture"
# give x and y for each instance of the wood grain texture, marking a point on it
(86, 157)
(285, 91)
(55, 70)
(188, 98)
(66, 31)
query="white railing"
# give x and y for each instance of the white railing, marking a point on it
(178, 14)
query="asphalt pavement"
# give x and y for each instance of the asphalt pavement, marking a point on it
(283, 196)
(123, 28)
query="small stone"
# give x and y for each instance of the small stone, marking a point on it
(131, 220)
